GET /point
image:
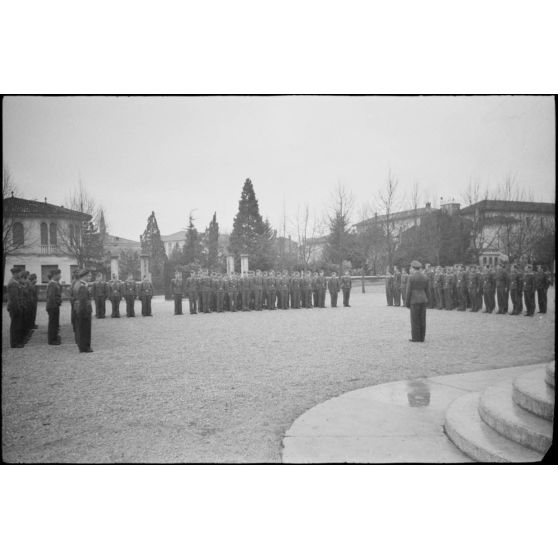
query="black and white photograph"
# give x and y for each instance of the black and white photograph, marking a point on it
(237, 279)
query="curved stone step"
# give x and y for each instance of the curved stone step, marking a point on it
(497, 410)
(531, 392)
(477, 440)
(550, 374)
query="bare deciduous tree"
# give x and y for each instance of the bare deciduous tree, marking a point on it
(387, 198)
(308, 228)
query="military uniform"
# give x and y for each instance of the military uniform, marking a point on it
(219, 284)
(257, 285)
(84, 312)
(404, 283)
(130, 293)
(283, 285)
(53, 303)
(270, 291)
(541, 286)
(306, 290)
(145, 295)
(321, 284)
(333, 286)
(115, 293)
(501, 285)
(295, 291)
(177, 290)
(232, 291)
(389, 288)
(461, 284)
(34, 291)
(488, 290)
(15, 310)
(439, 286)
(529, 291)
(100, 292)
(397, 288)
(416, 300)
(346, 283)
(192, 290)
(430, 291)
(448, 295)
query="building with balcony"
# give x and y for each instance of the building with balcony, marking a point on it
(36, 235)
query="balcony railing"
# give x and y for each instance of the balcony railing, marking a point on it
(49, 249)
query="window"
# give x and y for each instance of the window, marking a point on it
(17, 234)
(45, 270)
(19, 267)
(490, 260)
(44, 234)
(53, 228)
(484, 260)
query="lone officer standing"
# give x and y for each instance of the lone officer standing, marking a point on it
(346, 284)
(53, 302)
(417, 300)
(145, 295)
(177, 290)
(115, 293)
(83, 312)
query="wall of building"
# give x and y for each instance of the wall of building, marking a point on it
(40, 264)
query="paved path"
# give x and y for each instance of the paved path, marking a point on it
(396, 422)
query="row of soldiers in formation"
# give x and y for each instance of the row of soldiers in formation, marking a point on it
(467, 287)
(23, 296)
(217, 292)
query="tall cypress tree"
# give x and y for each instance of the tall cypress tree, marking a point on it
(152, 245)
(250, 235)
(192, 247)
(212, 243)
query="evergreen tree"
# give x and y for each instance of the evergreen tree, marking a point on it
(192, 251)
(250, 235)
(339, 242)
(152, 245)
(129, 262)
(212, 243)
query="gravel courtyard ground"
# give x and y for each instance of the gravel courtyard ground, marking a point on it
(226, 387)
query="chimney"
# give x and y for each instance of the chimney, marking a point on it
(45, 200)
(428, 205)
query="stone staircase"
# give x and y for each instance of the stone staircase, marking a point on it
(510, 422)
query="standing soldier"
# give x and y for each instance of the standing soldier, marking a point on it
(26, 303)
(500, 283)
(461, 283)
(431, 290)
(257, 282)
(192, 289)
(295, 290)
(84, 310)
(322, 287)
(245, 291)
(516, 290)
(488, 289)
(346, 284)
(529, 290)
(271, 290)
(205, 287)
(507, 289)
(130, 293)
(15, 309)
(34, 291)
(448, 299)
(233, 292)
(404, 283)
(389, 287)
(284, 286)
(333, 287)
(306, 289)
(53, 302)
(115, 292)
(439, 287)
(177, 292)
(219, 284)
(146, 294)
(541, 288)
(417, 300)
(315, 293)
(99, 291)
(472, 287)
(264, 289)
(396, 286)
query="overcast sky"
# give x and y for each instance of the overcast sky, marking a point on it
(173, 155)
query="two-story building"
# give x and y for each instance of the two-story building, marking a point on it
(36, 235)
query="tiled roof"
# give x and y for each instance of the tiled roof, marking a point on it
(32, 208)
(510, 207)
(112, 242)
(400, 215)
